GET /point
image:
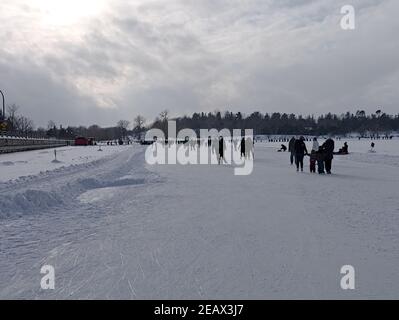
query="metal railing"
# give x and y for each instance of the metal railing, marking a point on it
(10, 144)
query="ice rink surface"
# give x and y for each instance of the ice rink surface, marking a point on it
(114, 227)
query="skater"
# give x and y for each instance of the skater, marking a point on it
(242, 148)
(222, 148)
(291, 149)
(300, 152)
(328, 148)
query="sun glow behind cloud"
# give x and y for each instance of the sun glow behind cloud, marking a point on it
(67, 12)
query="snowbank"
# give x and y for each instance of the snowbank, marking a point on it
(17, 165)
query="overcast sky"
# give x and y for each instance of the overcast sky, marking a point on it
(98, 61)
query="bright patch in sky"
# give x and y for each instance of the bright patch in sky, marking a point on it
(66, 12)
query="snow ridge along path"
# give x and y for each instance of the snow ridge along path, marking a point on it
(117, 228)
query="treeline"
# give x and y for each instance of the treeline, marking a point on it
(376, 124)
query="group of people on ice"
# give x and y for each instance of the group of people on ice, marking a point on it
(244, 145)
(322, 155)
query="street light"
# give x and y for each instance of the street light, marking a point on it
(4, 106)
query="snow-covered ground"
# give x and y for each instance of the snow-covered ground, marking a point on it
(17, 165)
(114, 227)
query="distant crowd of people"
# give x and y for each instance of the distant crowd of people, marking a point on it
(320, 155)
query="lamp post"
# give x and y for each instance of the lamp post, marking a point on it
(4, 106)
(3, 125)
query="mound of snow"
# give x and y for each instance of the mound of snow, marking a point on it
(28, 202)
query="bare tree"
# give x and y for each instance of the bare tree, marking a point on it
(123, 126)
(139, 123)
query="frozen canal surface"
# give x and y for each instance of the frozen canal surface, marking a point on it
(114, 227)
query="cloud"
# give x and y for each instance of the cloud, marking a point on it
(139, 57)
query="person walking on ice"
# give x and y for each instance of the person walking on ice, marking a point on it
(291, 149)
(221, 151)
(300, 152)
(242, 148)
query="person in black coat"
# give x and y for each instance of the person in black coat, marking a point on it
(291, 149)
(328, 148)
(300, 152)
(222, 148)
(242, 147)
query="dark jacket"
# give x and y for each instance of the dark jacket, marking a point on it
(328, 148)
(222, 147)
(320, 155)
(243, 146)
(291, 145)
(300, 147)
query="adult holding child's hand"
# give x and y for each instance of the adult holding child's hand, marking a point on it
(328, 148)
(300, 152)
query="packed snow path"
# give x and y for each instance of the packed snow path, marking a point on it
(117, 228)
